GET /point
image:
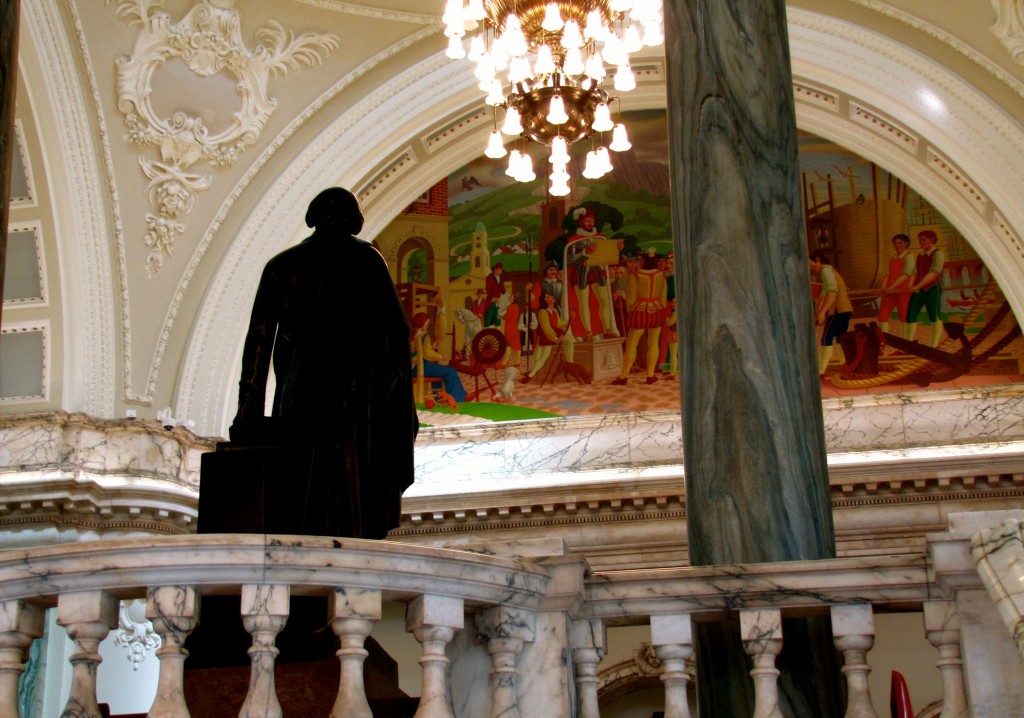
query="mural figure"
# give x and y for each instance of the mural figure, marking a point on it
(552, 284)
(551, 334)
(646, 299)
(902, 270)
(434, 363)
(833, 309)
(479, 305)
(926, 292)
(508, 313)
(672, 331)
(328, 404)
(619, 295)
(588, 278)
(494, 287)
(668, 266)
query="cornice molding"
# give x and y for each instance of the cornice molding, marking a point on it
(961, 47)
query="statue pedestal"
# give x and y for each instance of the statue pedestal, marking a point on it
(250, 490)
(601, 357)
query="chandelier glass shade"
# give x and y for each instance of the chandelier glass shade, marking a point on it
(553, 56)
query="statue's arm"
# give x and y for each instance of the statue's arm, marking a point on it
(256, 352)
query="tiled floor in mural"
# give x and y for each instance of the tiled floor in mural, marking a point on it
(561, 397)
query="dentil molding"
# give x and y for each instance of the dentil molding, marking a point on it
(209, 42)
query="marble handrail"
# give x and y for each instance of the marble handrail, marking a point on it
(219, 563)
(710, 590)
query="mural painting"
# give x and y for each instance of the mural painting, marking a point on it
(526, 306)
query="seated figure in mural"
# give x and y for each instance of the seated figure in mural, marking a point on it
(341, 358)
(433, 361)
(552, 284)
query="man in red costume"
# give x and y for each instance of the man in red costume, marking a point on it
(646, 298)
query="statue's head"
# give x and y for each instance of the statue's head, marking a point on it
(335, 208)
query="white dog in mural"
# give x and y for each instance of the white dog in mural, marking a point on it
(504, 392)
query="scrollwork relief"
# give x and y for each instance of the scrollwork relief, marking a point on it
(134, 632)
(1009, 26)
(208, 41)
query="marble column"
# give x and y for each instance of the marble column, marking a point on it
(9, 11)
(20, 623)
(434, 620)
(174, 612)
(753, 435)
(87, 616)
(354, 612)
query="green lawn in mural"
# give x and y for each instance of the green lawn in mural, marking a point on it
(592, 351)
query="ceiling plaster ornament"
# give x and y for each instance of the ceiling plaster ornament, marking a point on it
(1009, 26)
(134, 632)
(208, 41)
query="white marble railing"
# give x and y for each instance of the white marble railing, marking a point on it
(542, 622)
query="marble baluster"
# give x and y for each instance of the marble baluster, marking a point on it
(87, 616)
(942, 626)
(434, 620)
(264, 612)
(20, 623)
(672, 638)
(174, 612)
(853, 630)
(353, 612)
(589, 645)
(504, 631)
(761, 634)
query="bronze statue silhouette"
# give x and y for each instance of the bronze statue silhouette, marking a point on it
(327, 312)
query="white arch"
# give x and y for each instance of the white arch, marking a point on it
(865, 68)
(78, 198)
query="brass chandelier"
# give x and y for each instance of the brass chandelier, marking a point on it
(553, 55)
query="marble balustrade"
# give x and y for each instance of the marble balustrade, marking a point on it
(500, 636)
